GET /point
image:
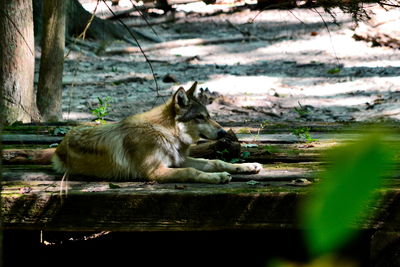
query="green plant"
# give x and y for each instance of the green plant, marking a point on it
(341, 200)
(102, 110)
(264, 124)
(345, 198)
(270, 149)
(303, 132)
(62, 130)
(334, 71)
(301, 110)
(222, 154)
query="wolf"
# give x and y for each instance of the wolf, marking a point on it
(153, 145)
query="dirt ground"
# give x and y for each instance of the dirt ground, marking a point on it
(293, 69)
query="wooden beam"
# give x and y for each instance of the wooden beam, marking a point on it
(128, 206)
(147, 207)
(276, 172)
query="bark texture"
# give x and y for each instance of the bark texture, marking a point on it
(16, 62)
(49, 91)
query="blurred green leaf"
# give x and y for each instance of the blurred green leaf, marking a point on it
(329, 216)
(113, 186)
(245, 154)
(334, 70)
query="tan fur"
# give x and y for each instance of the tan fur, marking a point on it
(152, 145)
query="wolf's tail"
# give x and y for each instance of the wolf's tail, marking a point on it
(58, 164)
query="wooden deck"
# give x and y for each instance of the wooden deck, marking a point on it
(269, 200)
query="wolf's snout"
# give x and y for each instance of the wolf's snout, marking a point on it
(221, 133)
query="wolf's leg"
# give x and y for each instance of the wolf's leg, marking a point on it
(221, 166)
(188, 175)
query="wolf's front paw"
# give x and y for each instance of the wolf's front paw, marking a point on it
(249, 168)
(220, 178)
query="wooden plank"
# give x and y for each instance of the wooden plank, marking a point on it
(267, 151)
(30, 139)
(92, 206)
(275, 172)
(147, 207)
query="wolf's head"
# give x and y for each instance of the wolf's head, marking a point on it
(194, 115)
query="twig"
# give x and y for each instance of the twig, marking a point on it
(302, 22)
(389, 4)
(265, 8)
(330, 36)
(141, 50)
(82, 35)
(118, 14)
(145, 19)
(245, 33)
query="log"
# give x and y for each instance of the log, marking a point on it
(131, 77)
(226, 148)
(179, 43)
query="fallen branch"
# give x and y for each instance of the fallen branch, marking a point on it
(122, 13)
(179, 43)
(190, 42)
(166, 19)
(132, 77)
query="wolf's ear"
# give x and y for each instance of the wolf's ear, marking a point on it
(180, 98)
(191, 90)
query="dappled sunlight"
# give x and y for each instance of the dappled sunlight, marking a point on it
(291, 58)
(77, 116)
(228, 84)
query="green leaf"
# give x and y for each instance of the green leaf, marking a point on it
(334, 70)
(245, 154)
(342, 198)
(113, 186)
(235, 160)
(252, 182)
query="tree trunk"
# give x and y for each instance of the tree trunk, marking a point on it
(77, 19)
(49, 93)
(16, 61)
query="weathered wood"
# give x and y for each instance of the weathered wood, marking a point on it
(27, 156)
(268, 200)
(166, 207)
(30, 139)
(273, 172)
(147, 207)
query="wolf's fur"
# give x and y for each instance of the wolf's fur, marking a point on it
(153, 145)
